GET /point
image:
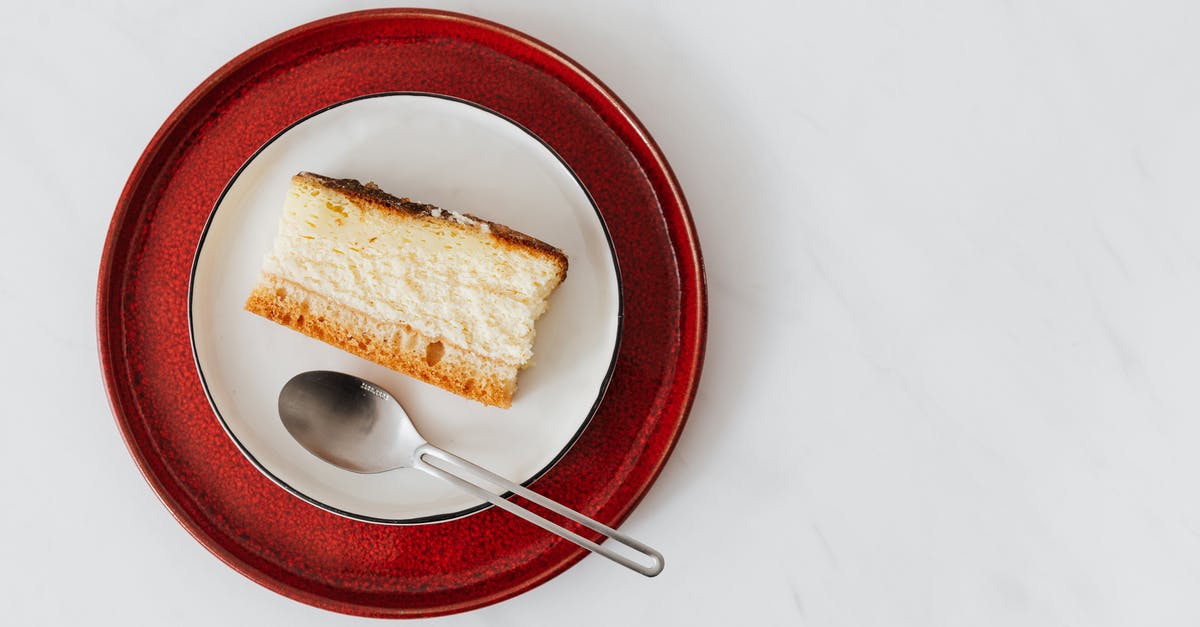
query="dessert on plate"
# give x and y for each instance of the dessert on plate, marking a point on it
(442, 296)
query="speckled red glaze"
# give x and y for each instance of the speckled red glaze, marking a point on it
(246, 520)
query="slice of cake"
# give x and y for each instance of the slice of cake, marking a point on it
(445, 297)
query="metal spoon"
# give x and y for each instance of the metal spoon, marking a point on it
(356, 425)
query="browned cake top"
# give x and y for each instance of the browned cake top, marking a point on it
(370, 193)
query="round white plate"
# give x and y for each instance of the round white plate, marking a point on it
(455, 155)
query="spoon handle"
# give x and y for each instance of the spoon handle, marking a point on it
(472, 485)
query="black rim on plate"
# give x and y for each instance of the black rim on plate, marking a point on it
(435, 517)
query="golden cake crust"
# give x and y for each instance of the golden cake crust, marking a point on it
(401, 348)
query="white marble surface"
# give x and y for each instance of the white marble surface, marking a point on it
(955, 312)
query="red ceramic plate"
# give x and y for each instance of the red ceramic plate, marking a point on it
(241, 516)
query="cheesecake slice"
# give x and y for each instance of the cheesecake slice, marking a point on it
(445, 297)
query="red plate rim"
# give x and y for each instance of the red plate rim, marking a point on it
(144, 179)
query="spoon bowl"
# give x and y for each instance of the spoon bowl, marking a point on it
(358, 426)
(348, 422)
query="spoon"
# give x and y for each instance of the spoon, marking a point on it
(356, 425)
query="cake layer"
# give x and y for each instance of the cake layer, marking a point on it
(445, 297)
(462, 280)
(392, 344)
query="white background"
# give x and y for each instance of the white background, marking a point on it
(953, 252)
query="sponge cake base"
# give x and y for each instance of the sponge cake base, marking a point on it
(391, 344)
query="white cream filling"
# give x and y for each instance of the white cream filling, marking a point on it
(459, 287)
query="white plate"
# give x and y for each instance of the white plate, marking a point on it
(455, 155)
